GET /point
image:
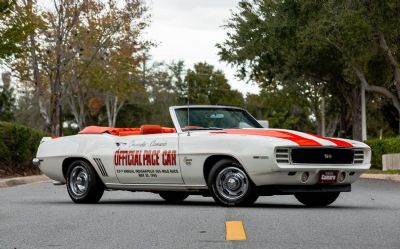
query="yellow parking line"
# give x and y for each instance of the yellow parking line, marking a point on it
(235, 230)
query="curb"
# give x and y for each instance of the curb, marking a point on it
(11, 182)
(388, 177)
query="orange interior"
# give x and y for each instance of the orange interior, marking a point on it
(143, 130)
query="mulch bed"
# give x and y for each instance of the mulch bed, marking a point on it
(18, 170)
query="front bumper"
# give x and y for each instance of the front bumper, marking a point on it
(292, 175)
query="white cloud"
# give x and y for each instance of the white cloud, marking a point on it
(189, 30)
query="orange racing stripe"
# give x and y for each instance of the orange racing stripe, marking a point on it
(338, 142)
(302, 141)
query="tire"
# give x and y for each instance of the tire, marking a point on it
(83, 184)
(173, 197)
(230, 185)
(317, 199)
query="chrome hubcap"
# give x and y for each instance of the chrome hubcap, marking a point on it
(79, 180)
(232, 183)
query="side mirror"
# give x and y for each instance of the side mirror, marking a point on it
(264, 123)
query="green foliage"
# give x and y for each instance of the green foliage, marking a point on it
(14, 28)
(18, 145)
(209, 86)
(282, 108)
(303, 43)
(6, 104)
(380, 147)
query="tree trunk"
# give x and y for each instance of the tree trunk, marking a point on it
(379, 89)
(392, 60)
(323, 132)
(115, 111)
(356, 114)
(35, 69)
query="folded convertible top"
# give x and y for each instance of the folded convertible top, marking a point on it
(143, 130)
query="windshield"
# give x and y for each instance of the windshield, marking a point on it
(215, 118)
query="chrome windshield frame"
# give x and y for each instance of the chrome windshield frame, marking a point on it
(172, 111)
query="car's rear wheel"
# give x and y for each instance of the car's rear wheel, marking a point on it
(83, 184)
(317, 199)
(173, 197)
(229, 184)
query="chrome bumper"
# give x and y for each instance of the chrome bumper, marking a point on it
(36, 161)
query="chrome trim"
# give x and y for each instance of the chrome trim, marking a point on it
(232, 183)
(176, 122)
(36, 161)
(79, 180)
(313, 147)
(156, 185)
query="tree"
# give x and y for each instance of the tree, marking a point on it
(162, 90)
(282, 107)
(177, 71)
(209, 86)
(14, 28)
(71, 38)
(7, 100)
(323, 42)
(116, 79)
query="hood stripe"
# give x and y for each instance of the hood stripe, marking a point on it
(302, 141)
(338, 142)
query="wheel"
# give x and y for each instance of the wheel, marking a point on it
(173, 196)
(317, 199)
(83, 184)
(229, 184)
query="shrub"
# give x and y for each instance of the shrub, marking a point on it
(18, 145)
(383, 146)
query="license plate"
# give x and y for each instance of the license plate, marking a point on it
(328, 177)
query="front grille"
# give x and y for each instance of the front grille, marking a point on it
(322, 155)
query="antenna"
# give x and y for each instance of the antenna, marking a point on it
(188, 109)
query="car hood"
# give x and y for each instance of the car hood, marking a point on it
(300, 138)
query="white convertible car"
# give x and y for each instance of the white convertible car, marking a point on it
(213, 150)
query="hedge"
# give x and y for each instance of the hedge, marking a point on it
(383, 146)
(18, 145)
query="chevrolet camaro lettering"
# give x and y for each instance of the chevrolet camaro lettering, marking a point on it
(216, 151)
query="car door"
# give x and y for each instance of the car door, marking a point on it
(152, 158)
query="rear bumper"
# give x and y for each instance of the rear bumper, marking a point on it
(294, 189)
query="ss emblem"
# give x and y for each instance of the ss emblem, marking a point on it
(327, 156)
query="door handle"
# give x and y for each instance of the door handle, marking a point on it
(120, 143)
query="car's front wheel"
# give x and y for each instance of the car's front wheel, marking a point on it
(83, 184)
(317, 199)
(173, 197)
(229, 184)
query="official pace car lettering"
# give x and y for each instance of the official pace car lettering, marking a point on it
(145, 158)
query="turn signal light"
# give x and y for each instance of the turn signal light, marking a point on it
(342, 176)
(304, 177)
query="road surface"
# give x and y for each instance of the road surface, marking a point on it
(41, 215)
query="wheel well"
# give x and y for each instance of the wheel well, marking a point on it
(211, 160)
(69, 160)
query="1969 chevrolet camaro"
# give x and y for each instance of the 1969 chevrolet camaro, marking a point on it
(213, 150)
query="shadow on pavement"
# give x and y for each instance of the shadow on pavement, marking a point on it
(209, 204)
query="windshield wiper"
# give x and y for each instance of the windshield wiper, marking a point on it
(202, 129)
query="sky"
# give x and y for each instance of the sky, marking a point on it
(188, 30)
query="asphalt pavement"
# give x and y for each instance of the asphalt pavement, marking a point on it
(41, 215)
